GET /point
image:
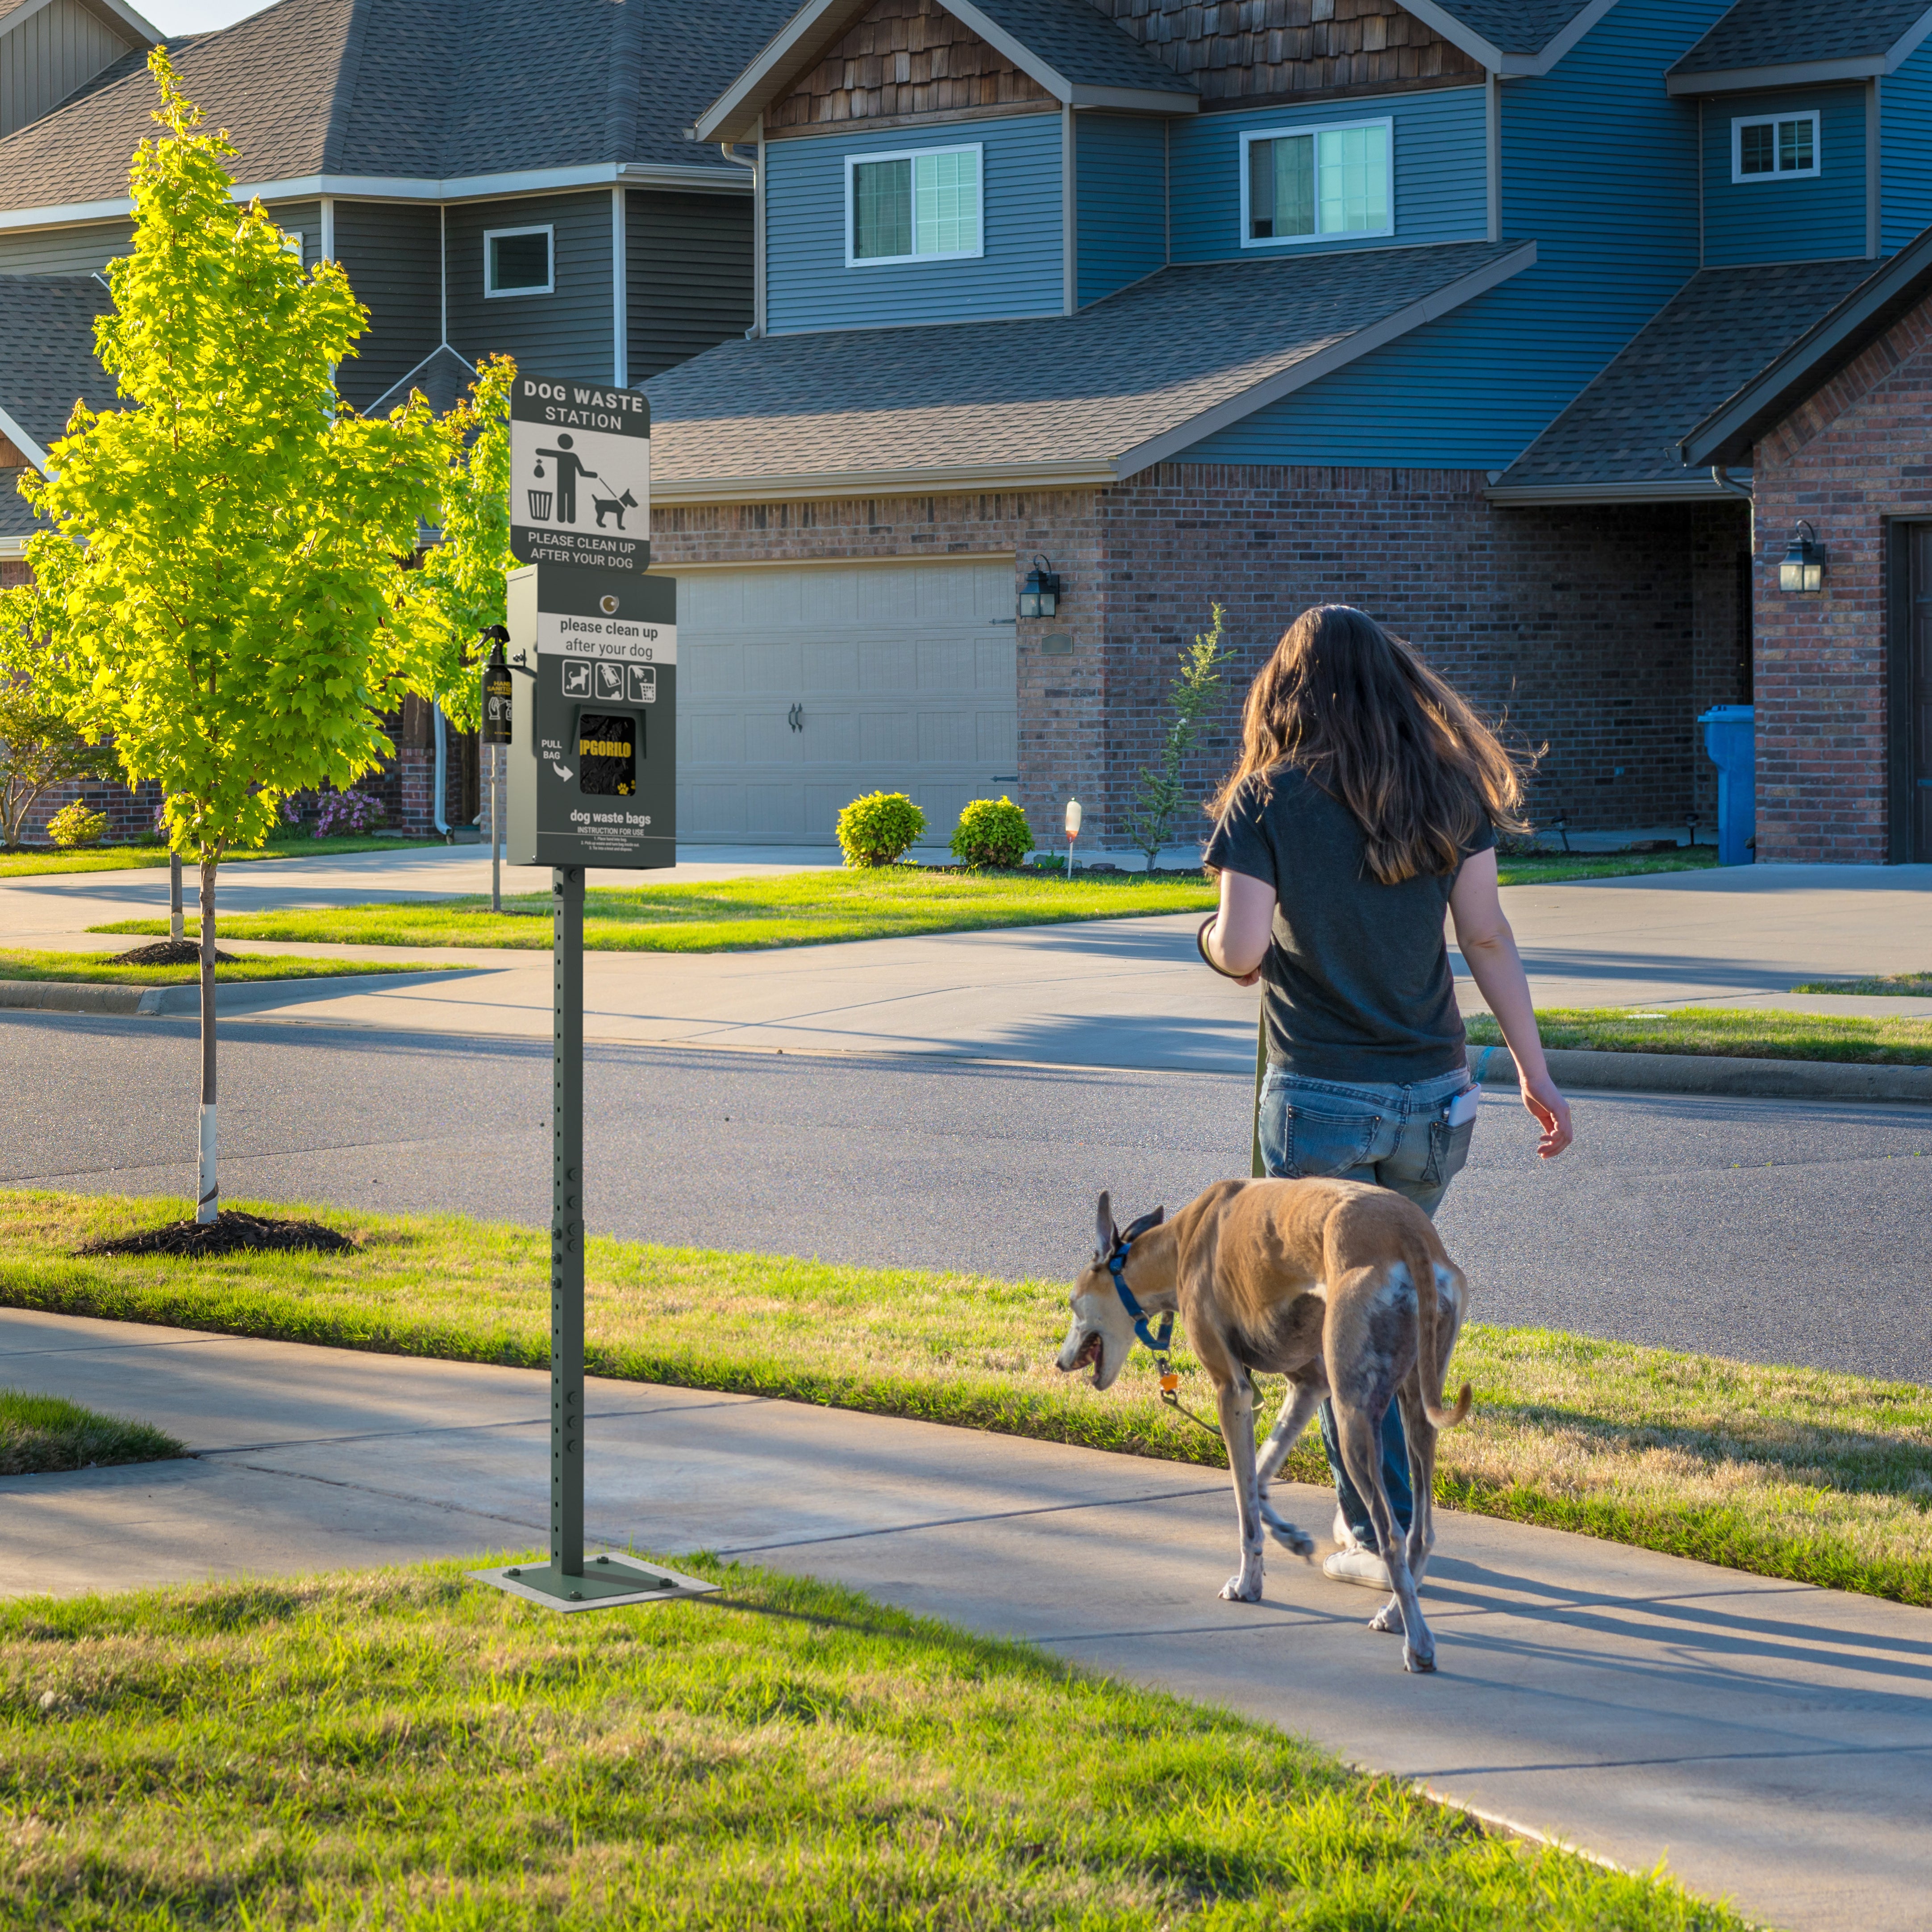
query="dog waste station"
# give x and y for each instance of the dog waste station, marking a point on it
(592, 659)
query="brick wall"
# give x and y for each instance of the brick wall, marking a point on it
(1592, 629)
(1852, 456)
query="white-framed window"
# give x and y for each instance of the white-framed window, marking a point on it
(520, 261)
(1774, 147)
(1301, 184)
(292, 240)
(922, 206)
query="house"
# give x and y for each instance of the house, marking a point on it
(497, 175)
(1412, 307)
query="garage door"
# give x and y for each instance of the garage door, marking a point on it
(800, 689)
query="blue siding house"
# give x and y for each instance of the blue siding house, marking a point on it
(1411, 309)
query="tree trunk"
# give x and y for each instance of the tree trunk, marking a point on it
(209, 1207)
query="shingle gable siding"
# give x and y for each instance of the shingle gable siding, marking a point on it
(904, 58)
(1239, 50)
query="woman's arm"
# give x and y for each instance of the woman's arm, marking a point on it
(1237, 941)
(1488, 949)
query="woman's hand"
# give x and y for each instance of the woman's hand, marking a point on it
(1552, 1112)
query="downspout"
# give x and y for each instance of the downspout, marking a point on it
(441, 818)
(738, 161)
(1721, 475)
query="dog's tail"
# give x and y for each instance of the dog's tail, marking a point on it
(1428, 1322)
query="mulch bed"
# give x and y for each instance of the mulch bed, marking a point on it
(233, 1233)
(170, 952)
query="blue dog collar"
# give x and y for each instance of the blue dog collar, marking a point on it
(1116, 1266)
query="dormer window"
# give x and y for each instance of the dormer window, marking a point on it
(1302, 184)
(519, 261)
(1774, 147)
(920, 206)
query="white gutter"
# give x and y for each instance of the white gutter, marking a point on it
(404, 188)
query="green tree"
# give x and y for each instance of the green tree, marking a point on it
(1161, 794)
(464, 571)
(228, 578)
(39, 750)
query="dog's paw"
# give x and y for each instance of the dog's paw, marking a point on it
(1285, 1533)
(1388, 1617)
(1421, 1663)
(1241, 1589)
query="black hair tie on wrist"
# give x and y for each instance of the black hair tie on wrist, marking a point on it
(1201, 946)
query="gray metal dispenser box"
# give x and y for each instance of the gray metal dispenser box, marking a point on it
(593, 752)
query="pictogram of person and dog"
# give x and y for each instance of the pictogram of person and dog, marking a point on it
(569, 467)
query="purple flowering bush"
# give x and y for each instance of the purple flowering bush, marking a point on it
(345, 814)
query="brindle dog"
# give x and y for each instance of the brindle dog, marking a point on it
(1344, 1289)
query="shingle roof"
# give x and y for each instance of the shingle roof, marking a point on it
(427, 89)
(1083, 46)
(1718, 330)
(47, 351)
(1784, 33)
(1090, 389)
(16, 519)
(1516, 26)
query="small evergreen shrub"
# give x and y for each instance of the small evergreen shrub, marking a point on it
(880, 829)
(74, 825)
(992, 831)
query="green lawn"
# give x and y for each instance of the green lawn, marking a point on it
(1895, 985)
(1789, 1472)
(128, 858)
(405, 1749)
(1550, 869)
(40, 1433)
(92, 968)
(813, 908)
(1740, 1033)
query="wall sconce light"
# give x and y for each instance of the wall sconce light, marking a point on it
(1803, 568)
(1040, 596)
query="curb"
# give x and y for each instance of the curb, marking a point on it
(71, 996)
(1714, 1075)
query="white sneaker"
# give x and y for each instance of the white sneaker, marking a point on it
(1357, 1566)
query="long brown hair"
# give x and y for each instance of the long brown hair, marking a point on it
(1359, 712)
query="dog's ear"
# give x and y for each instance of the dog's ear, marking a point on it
(1138, 1228)
(1105, 1233)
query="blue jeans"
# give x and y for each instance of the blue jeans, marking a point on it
(1389, 1136)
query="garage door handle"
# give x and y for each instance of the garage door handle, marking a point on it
(795, 718)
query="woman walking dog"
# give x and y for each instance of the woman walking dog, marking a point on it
(1366, 802)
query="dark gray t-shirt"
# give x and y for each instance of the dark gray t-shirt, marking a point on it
(1356, 986)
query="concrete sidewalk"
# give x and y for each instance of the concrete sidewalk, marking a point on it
(1771, 1741)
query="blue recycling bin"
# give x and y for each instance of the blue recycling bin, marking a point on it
(1730, 737)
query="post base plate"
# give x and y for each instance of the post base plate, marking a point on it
(609, 1582)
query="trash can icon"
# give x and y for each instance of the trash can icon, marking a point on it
(540, 503)
(1730, 738)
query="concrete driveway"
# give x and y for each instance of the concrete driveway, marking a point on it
(1769, 1741)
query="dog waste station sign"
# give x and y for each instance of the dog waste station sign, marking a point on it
(592, 663)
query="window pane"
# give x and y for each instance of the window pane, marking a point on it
(519, 262)
(1755, 148)
(1260, 190)
(946, 195)
(1354, 186)
(1294, 185)
(881, 209)
(1794, 146)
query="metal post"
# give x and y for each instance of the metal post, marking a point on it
(174, 926)
(496, 834)
(566, 1230)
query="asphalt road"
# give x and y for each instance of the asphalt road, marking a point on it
(1773, 1231)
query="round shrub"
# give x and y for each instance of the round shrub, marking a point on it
(880, 829)
(347, 815)
(992, 831)
(74, 825)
